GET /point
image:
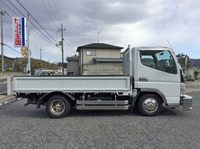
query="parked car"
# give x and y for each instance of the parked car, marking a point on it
(43, 72)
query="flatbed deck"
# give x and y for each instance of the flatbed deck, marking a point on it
(71, 84)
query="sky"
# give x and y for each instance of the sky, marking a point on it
(116, 22)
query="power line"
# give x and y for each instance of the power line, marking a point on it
(42, 28)
(49, 13)
(37, 30)
(52, 9)
(68, 43)
(32, 17)
(58, 12)
(43, 34)
(8, 7)
(30, 21)
(36, 21)
(16, 8)
(9, 22)
(11, 48)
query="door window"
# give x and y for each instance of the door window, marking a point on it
(160, 60)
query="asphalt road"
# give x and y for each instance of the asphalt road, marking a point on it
(28, 127)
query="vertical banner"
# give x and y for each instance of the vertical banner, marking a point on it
(19, 31)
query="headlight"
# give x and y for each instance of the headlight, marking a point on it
(182, 89)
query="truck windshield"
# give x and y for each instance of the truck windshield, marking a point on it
(160, 60)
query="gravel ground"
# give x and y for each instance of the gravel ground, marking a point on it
(192, 86)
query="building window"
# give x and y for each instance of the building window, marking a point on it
(91, 53)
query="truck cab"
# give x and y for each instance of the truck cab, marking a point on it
(156, 74)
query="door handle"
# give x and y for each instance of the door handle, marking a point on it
(142, 79)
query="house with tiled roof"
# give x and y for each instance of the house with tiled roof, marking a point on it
(100, 59)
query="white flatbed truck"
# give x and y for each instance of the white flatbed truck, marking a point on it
(152, 77)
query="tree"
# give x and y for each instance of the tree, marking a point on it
(18, 64)
(183, 60)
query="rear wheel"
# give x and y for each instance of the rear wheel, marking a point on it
(58, 106)
(149, 105)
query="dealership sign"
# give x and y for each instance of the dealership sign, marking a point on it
(19, 31)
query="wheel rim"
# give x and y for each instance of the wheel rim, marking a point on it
(57, 107)
(150, 105)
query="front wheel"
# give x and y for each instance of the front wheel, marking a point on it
(149, 105)
(58, 106)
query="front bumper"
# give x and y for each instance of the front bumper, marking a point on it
(186, 102)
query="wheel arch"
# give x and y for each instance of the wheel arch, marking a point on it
(149, 91)
(45, 97)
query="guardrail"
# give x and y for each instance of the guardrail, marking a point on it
(4, 75)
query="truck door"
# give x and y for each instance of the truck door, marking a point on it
(157, 71)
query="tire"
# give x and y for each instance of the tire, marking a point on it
(149, 105)
(58, 106)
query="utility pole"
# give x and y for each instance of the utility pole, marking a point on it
(28, 50)
(2, 44)
(27, 45)
(49, 64)
(41, 57)
(20, 64)
(61, 44)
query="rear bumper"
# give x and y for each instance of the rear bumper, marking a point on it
(186, 102)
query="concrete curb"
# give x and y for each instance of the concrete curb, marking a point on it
(8, 99)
